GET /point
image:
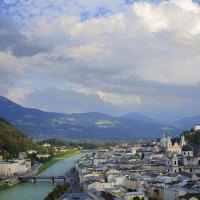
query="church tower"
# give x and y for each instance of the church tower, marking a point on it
(169, 142)
(183, 142)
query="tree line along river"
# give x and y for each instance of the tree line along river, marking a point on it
(40, 189)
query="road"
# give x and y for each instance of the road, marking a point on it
(73, 178)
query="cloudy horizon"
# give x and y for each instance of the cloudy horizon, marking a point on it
(114, 57)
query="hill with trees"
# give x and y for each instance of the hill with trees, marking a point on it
(13, 141)
(193, 137)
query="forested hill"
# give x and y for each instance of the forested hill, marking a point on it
(193, 137)
(13, 141)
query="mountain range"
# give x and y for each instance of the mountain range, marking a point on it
(39, 124)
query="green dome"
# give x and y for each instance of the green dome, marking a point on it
(163, 141)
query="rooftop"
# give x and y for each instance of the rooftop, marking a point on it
(134, 193)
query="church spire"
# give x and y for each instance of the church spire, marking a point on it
(183, 142)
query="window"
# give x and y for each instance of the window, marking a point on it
(175, 162)
(156, 191)
(179, 169)
(190, 169)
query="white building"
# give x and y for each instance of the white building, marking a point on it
(166, 142)
(185, 162)
(46, 145)
(134, 151)
(43, 155)
(197, 127)
(131, 195)
(98, 161)
(12, 168)
(32, 151)
(174, 193)
(99, 186)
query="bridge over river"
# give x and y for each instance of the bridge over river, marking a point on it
(35, 178)
(38, 191)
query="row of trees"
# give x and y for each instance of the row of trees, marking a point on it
(91, 144)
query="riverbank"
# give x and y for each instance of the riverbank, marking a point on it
(2, 187)
(44, 166)
(39, 190)
(55, 159)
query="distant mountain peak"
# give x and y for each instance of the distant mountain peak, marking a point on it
(91, 125)
(186, 123)
(139, 117)
(2, 98)
(6, 100)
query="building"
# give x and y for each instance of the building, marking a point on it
(174, 193)
(46, 145)
(32, 152)
(11, 168)
(156, 192)
(1, 158)
(163, 141)
(185, 162)
(97, 185)
(42, 155)
(22, 155)
(132, 195)
(197, 127)
(166, 143)
(98, 161)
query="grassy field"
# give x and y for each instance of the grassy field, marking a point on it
(56, 158)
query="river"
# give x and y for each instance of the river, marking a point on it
(40, 189)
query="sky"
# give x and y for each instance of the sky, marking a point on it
(114, 57)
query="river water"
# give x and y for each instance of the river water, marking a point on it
(40, 189)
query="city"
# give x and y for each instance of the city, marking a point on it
(99, 100)
(148, 170)
(166, 168)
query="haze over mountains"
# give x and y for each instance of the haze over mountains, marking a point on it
(138, 116)
(93, 125)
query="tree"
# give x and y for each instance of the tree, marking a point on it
(142, 156)
(58, 191)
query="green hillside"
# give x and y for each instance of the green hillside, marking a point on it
(13, 141)
(193, 137)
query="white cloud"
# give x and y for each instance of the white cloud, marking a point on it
(7, 63)
(122, 54)
(120, 100)
(151, 15)
(139, 46)
(187, 5)
(18, 95)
